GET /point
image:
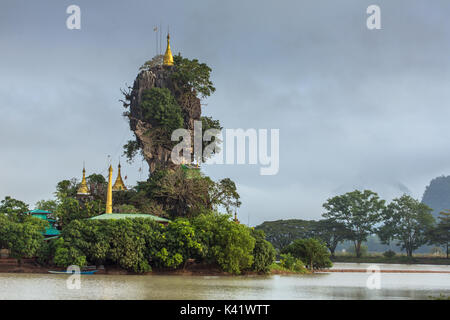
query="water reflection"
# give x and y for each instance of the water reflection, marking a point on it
(317, 286)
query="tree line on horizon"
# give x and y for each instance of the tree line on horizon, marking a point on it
(356, 215)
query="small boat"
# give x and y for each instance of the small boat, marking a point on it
(70, 272)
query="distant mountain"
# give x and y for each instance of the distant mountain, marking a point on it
(437, 194)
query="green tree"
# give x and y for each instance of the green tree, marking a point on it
(160, 107)
(224, 193)
(330, 232)
(358, 211)
(224, 242)
(176, 245)
(69, 209)
(263, 254)
(13, 208)
(181, 195)
(408, 221)
(47, 205)
(66, 188)
(97, 186)
(24, 238)
(311, 251)
(191, 75)
(440, 235)
(281, 233)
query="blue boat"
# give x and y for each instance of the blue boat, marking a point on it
(70, 272)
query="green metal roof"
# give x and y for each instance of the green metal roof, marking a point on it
(112, 216)
(38, 212)
(51, 232)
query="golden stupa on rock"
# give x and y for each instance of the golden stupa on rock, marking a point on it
(168, 58)
(83, 189)
(119, 185)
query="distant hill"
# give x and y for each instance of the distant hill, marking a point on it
(437, 194)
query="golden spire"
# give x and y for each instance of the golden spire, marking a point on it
(235, 218)
(109, 194)
(119, 185)
(83, 189)
(168, 58)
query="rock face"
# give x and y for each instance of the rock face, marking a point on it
(149, 137)
(437, 195)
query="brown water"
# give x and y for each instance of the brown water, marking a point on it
(317, 286)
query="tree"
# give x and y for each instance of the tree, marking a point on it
(176, 244)
(440, 235)
(69, 209)
(47, 205)
(224, 242)
(156, 61)
(179, 194)
(330, 232)
(358, 211)
(160, 107)
(224, 193)
(66, 188)
(408, 221)
(23, 238)
(190, 75)
(281, 233)
(97, 186)
(13, 208)
(311, 251)
(263, 254)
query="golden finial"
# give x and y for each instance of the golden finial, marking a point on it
(119, 185)
(83, 189)
(168, 58)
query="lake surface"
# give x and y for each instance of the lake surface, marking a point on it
(347, 285)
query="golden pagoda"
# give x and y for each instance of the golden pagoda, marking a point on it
(109, 193)
(235, 218)
(119, 185)
(83, 189)
(168, 58)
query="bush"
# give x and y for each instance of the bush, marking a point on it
(289, 262)
(389, 254)
(224, 242)
(159, 106)
(176, 245)
(263, 253)
(312, 251)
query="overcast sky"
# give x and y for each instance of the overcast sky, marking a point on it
(356, 108)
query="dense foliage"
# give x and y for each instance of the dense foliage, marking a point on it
(23, 238)
(160, 108)
(408, 221)
(311, 251)
(358, 211)
(192, 75)
(224, 242)
(139, 245)
(263, 254)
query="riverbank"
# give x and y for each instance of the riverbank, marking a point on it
(393, 260)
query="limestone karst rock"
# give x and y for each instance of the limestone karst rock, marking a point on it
(148, 136)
